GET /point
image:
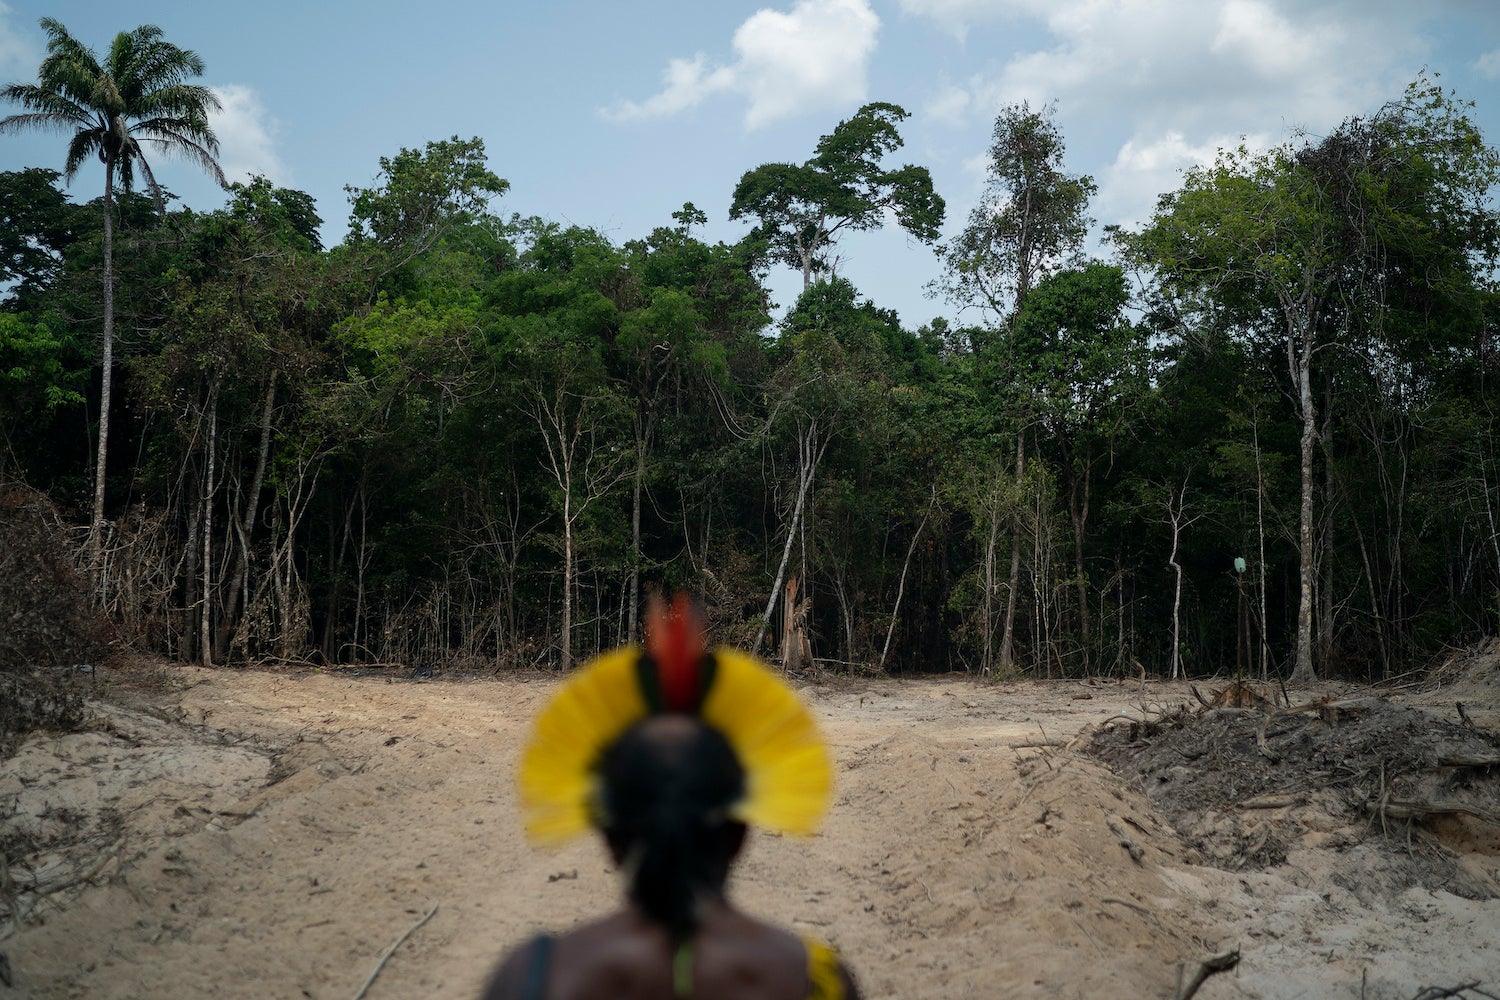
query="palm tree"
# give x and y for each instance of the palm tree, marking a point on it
(137, 99)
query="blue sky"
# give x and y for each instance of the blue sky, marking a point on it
(612, 115)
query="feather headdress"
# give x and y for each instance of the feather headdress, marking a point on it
(788, 773)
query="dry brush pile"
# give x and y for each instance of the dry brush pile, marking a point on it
(1247, 786)
(51, 638)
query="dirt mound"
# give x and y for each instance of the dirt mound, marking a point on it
(1245, 787)
(1467, 685)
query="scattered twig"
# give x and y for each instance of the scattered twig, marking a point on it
(1469, 760)
(1437, 992)
(1125, 902)
(1271, 802)
(50, 880)
(1087, 934)
(1389, 808)
(392, 950)
(9, 897)
(1211, 966)
(1260, 742)
(1135, 850)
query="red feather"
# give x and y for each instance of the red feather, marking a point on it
(675, 641)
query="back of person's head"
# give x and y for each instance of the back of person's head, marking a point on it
(668, 784)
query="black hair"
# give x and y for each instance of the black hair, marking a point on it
(668, 785)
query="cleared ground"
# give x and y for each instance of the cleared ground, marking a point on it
(237, 833)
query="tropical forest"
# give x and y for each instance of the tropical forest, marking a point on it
(1257, 434)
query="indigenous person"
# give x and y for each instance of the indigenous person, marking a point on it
(670, 752)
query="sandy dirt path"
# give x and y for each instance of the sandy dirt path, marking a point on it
(273, 834)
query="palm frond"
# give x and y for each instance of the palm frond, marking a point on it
(177, 144)
(85, 143)
(151, 185)
(142, 81)
(46, 103)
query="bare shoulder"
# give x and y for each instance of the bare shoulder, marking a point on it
(509, 981)
(529, 968)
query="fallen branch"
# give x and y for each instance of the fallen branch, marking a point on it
(1210, 967)
(54, 878)
(1260, 742)
(1437, 992)
(1417, 810)
(392, 950)
(1125, 902)
(1469, 760)
(1332, 710)
(1271, 802)
(1135, 850)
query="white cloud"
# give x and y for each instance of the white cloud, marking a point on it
(1266, 41)
(1153, 86)
(1145, 167)
(1488, 65)
(808, 59)
(951, 105)
(1180, 63)
(686, 83)
(245, 130)
(958, 16)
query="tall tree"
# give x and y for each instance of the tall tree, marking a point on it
(137, 98)
(1031, 220)
(1369, 248)
(422, 196)
(802, 208)
(1084, 366)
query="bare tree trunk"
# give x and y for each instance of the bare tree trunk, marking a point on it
(206, 638)
(987, 614)
(791, 634)
(633, 588)
(809, 453)
(581, 478)
(106, 361)
(1299, 354)
(1078, 512)
(1008, 639)
(567, 606)
(1302, 670)
(1260, 529)
(244, 522)
(1176, 508)
(901, 587)
(187, 646)
(1324, 625)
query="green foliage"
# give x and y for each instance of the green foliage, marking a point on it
(1031, 219)
(33, 371)
(463, 439)
(137, 93)
(37, 224)
(802, 208)
(423, 192)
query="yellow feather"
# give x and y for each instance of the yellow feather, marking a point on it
(586, 715)
(788, 772)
